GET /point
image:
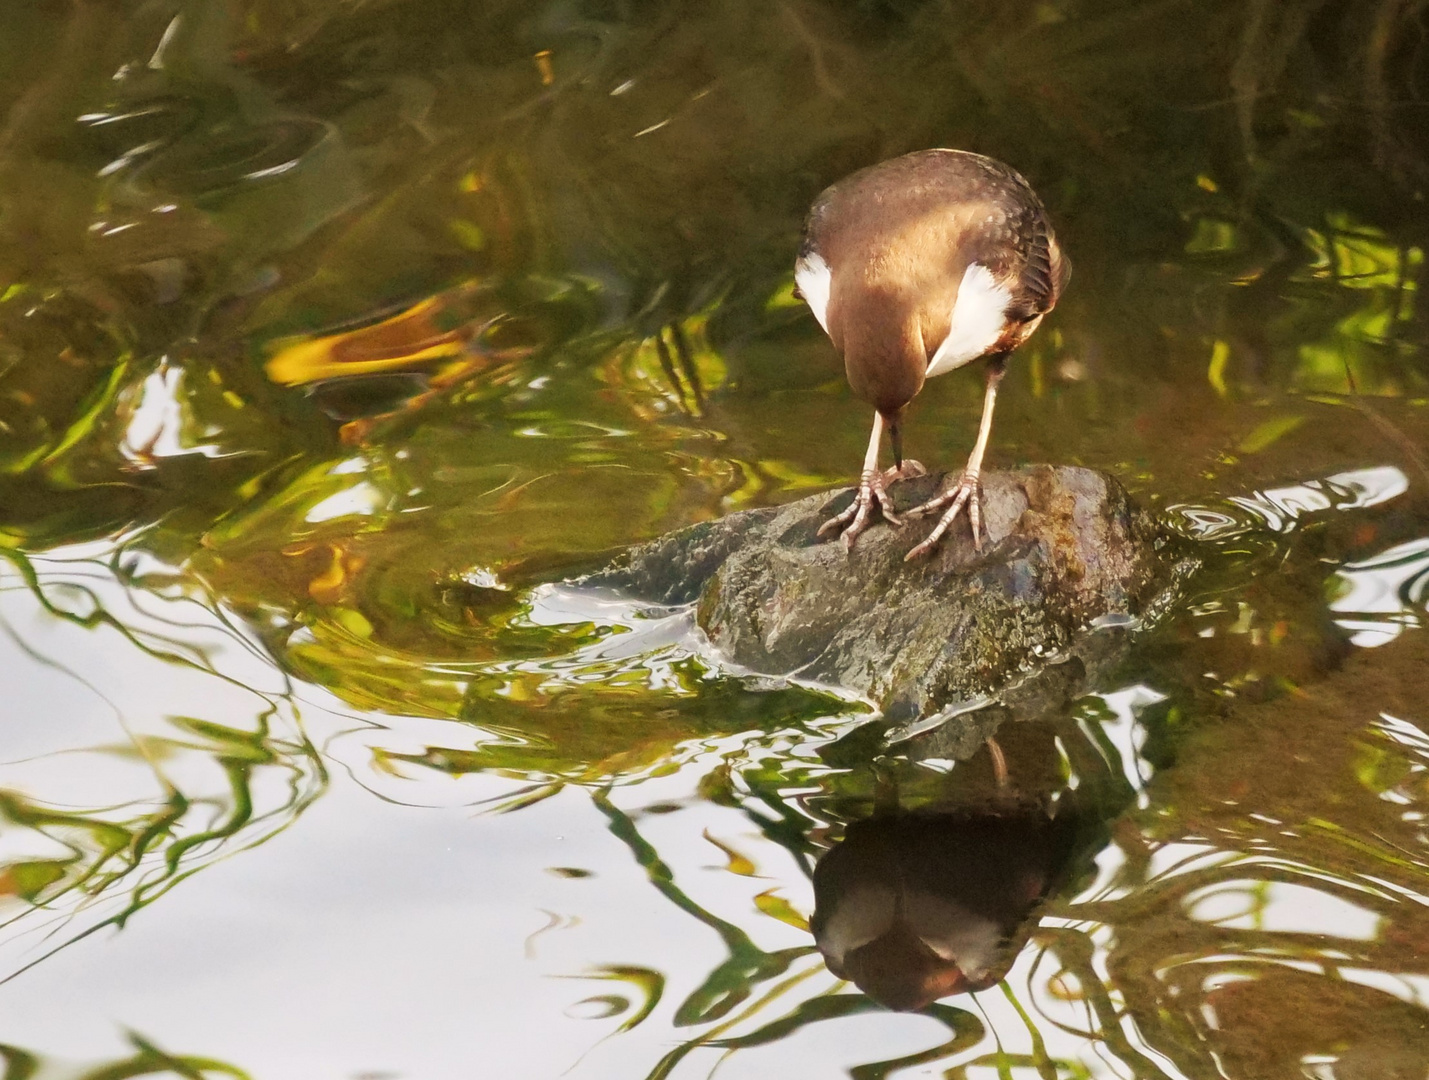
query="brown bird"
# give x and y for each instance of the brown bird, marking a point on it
(914, 267)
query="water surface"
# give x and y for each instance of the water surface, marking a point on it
(333, 333)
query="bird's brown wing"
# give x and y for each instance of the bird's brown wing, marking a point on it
(1044, 274)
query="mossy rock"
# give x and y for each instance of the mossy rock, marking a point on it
(1065, 551)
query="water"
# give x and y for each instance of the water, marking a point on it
(333, 334)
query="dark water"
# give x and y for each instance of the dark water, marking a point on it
(333, 331)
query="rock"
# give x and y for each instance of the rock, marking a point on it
(675, 569)
(1064, 548)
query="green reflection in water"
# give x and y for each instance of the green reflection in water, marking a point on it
(147, 1060)
(178, 789)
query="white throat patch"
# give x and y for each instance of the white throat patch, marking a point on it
(814, 279)
(979, 316)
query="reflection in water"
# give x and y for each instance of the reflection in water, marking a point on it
(147, 1060)
(1376, 599)
(1197, 918)
(1246, 898)
(1279, 509)
(402, 361)
(1194, 918)
(914, 908)
(157, 739)
(160, 426)
(918, 904)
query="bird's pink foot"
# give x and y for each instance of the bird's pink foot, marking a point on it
(872, 488)
(966, 493)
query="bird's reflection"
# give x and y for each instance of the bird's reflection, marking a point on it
(912, 906)
(915, 907)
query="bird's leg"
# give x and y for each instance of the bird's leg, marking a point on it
(901, 469)
(872, 488)
(967, 491)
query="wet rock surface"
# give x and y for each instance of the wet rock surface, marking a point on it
(1068, 561)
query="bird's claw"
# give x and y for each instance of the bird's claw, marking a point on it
(966, 493)
(855, 517)
(872, 488)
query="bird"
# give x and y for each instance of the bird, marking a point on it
(918, 266)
